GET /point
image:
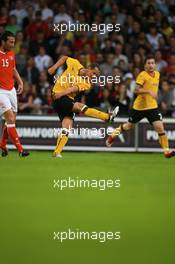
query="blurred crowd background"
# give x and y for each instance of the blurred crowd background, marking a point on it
(146, 27)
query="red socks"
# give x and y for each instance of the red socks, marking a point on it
(12, 132)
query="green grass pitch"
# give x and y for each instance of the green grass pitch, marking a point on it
(142, 209)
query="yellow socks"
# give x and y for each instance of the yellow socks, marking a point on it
(117, 131)
(163, 140)
(61, 142)
(120, 129)
(95, 113)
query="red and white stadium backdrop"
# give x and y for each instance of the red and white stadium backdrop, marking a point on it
(90, 134)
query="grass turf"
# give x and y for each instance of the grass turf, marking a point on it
(142, 209)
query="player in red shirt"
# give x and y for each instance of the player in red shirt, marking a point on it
(8, 97)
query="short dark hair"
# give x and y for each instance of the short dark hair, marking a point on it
(4, 36)
(149, 57)
(93, 66)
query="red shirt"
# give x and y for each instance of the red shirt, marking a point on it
(7, 64)
(34, 27)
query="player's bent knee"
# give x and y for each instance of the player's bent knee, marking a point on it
(79, 107)
(10, 117)
(159, 128)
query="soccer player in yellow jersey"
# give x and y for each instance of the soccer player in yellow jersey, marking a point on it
(145, 105)
(72, 81)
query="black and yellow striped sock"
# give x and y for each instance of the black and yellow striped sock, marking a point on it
(163, 140)
(91, 112)
(61, 141)
(118, 131)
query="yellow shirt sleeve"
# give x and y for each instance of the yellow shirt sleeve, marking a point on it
(74, 63)
(140, 78)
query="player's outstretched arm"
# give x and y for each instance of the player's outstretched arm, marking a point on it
(19, 81)
(68, 91)
(140, 90)
(58, 64)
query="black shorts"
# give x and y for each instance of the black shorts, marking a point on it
(64, 107)
(151, 114)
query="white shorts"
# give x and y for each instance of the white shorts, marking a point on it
(8, 100)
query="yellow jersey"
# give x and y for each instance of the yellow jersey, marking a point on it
(146, 101)
(70, 77)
